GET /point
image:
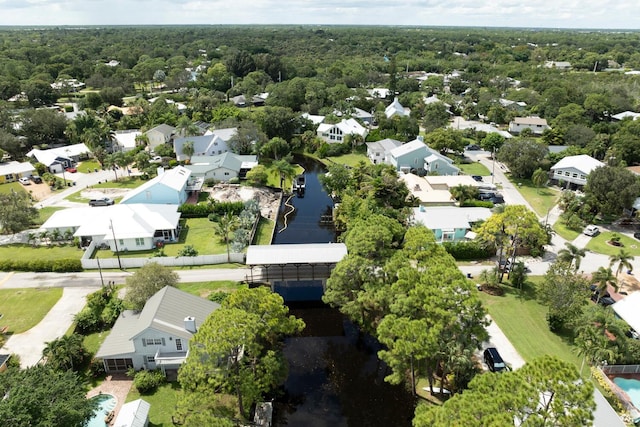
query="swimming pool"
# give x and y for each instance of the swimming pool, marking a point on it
(106, 403)
(631, 387)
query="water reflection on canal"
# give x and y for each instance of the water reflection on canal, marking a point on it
(335, 377)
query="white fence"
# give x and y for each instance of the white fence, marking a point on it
(621, 369)
(184, 261)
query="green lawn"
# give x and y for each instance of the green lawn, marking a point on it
(599, 244)
(273, 179)
(89, 166)
(523, 321)
(540, 199)
(203, 289)
(264, 232)
(22, 309)
(198, 232)
(28, 252)
(45, 213)
(351, 159)
(77, 198)
(92, 342)
(476, 168)
(564, 232)
(122, 182)
(163, 403)
(15, 186)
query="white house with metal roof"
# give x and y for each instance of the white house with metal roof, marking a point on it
(378, 151)
(417, 156)
(449, 224)
(58, 159)
(396, 109)
(335, 133)
(12, 171)
(133, 227)
(212, 143)
(222, 167)
(161, 134)
(169, 187)
(159, 335)
(536, 124)
(125, 140)
(574, 169)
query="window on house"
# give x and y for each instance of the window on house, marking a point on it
(558, 172)
(226, 173)
(178, 344)
(148, 341)
(583, 177)
(121, 242)
(157, 341)
(151, 359)
(575, 175)
(567, 174)
(139, 241)
(448, 236)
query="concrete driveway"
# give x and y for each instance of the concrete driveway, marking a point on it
(499, 340)
(29, 345)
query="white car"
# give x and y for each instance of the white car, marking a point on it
(591, 230)
(24, 181)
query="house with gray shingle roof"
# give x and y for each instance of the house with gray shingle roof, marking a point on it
(159, 135)
(378, 151)
(157, 336)
(212, 143)
(222, 167)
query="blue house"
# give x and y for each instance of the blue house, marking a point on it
(416, 156)
(449, 223)
(169, 187)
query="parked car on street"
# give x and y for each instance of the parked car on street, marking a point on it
(24, 181)
(101, 202)
(473, 147)
(591, 230)
(497, 199)
(477, 178)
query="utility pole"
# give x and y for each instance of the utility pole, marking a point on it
(493, 167)
(115, 242)
(100, 270)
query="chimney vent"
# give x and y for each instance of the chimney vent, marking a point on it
(190, 324)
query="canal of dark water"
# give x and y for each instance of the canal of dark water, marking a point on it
(335, 377)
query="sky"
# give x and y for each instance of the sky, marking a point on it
(609, 14)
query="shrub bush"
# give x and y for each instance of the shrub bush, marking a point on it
(465, 251)
(148, 381)
(96, 368)
(41, 265)
(477, 204)
(218, 296)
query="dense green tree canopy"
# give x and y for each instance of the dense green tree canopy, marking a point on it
(146, 281)
(612, 189)
(522, 156)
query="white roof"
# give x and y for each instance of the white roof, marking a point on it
(584, 163)
(445, 217)
(48, 157)
(420, 188)
(15, 168)
(454, 180)
(379, 92)
(312, 253)
(459, 123)
(625, 114)
(395, 109)
(409, 147)
(316, 120)
(133, 414)
(627, 310)
(530, 121)
(127, 138)
(175, 178)
(347, 126)
(129, 221)
(385, 145)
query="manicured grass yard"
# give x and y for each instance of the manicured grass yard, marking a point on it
(523, 321)
(351, 159)
(122, 182)
(22, 309)
(475, 168)
(163, 403)
(28, 252)
(92, 342)
(540, 199)
(564, 232)
(15, 186)
(45, 213)
(203, 289)
(89, 166)
(599, 244)
(263, 232)
(273, 179)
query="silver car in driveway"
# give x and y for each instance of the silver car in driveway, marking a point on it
(591, 230)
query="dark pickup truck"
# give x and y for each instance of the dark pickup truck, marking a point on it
(101, 202)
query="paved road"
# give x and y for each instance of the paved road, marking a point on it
(29, 345)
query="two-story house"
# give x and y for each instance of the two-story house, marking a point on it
(336, 133)
(574, 170)
(535, 124)
(416, 156)
(157, 337)
(169, 187)
(159, 135)
(378, 151)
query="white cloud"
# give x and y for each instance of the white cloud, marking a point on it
(503, 13)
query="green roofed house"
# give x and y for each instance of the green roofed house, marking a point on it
(158, 336)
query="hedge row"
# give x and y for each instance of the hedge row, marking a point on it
(477, 204)
(203, 210)
(466, 251)
(41, 265)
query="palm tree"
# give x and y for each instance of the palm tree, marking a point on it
(188, 149)
(185, 127)
(539, 179)
(604, 277)
(224, 226)
(623, 259)
(285, 169)
(572, 255)
(462, 193)
(31, 239)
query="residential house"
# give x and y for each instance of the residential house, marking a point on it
(12, 171)
(221, 167)
(169, 187)
(420, 188)
(447, 182)
(335, 133)
(536, 124)
(378, 151)
(161, 134)
(133, 227)
(574, 170)
(460, 124)
(433, 99)
(363, 116)
(58, 159)
(396, 109)
(125, 140)
(630, 114)
(157, 336)
(315, 119)
(212, 143)
(239, 101)
(450, 224)
(417, 156)
(133, 414)
(513, 105)
(379, 92)
(558, 65)
(179, 105)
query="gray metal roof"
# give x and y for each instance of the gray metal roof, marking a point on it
(312, 253)
(165, 311)
(133, 414)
